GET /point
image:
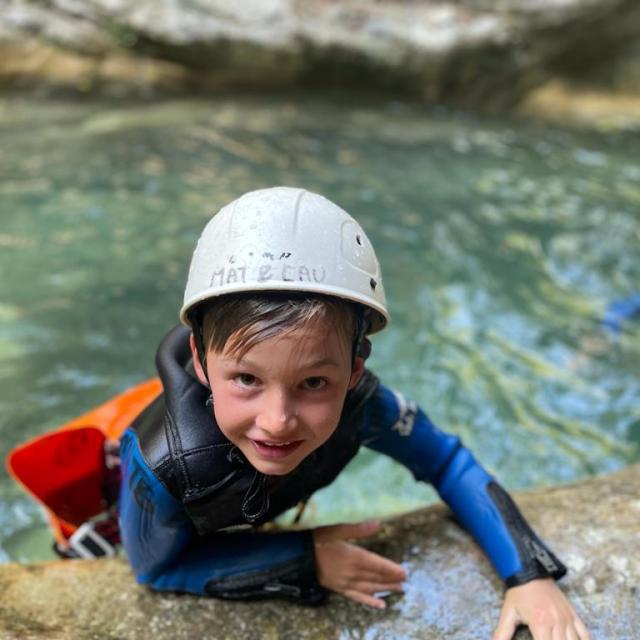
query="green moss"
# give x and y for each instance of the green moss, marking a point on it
(122, 35)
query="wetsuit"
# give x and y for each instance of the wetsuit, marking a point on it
(190, 501)
(619, 311)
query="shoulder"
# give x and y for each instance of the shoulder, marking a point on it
(364, 390)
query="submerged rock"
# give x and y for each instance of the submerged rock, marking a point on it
(451, 591)
(469, 53)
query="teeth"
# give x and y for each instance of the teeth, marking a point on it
(276, 444)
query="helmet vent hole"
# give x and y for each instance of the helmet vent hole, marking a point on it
(373, 284)
(359, 240)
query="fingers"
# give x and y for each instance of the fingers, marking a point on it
(575, 630)
(378, 588)
(375, 567)
(544, 628)
(507, 624)
(357, 573)
(557, 633)
(371, 593)
(364, 598)
(542, 605)
(571, 634)
(340, 558)
(552, 628)
(583, 633)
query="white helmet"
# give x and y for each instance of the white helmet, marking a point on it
(285, 239)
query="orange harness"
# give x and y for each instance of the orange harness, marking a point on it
(66, 470)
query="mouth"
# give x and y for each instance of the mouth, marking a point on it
(275, 450)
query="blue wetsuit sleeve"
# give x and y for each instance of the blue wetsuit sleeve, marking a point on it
(619, 311)
(398, 428)
(166, 553)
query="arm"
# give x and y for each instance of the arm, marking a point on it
(401, 430)
(166, 554)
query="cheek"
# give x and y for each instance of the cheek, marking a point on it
(226, 409)
(222, 415)
(323, 418)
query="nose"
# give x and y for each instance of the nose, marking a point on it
(277, 415)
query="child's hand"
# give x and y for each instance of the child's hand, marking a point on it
(352, 571)
(541, 605)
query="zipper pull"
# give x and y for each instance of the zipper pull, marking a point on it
(543, 556)
(283, 589)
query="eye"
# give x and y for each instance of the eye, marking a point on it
(315, 383)
(246, 379)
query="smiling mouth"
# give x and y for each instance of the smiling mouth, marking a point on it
(275, 450)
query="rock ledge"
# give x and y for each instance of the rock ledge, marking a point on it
(451, 592)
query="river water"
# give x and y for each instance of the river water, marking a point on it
(502, 244)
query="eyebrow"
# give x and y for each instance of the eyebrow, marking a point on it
(322, 362)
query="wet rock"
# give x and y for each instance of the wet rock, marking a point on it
(594, 107)
(451, 591)
(470, 53)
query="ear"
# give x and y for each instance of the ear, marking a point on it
(356, 372)
(197, 365)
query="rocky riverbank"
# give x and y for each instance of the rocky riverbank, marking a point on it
(469, 54)
(451, 592)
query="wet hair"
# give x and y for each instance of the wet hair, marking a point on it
(238, 322)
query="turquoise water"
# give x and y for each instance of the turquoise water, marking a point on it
(501, 242)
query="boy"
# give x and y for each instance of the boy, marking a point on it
(267, 398)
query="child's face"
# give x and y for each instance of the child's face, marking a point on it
(284, 397)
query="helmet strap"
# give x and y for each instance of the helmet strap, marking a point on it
(195, 317)
(364, 349)
(361, 344)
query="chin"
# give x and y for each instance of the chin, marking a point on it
(279, 469)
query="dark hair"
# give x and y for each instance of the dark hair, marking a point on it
(240, 321)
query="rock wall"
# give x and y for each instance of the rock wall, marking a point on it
(469, 53)
(451, 592)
